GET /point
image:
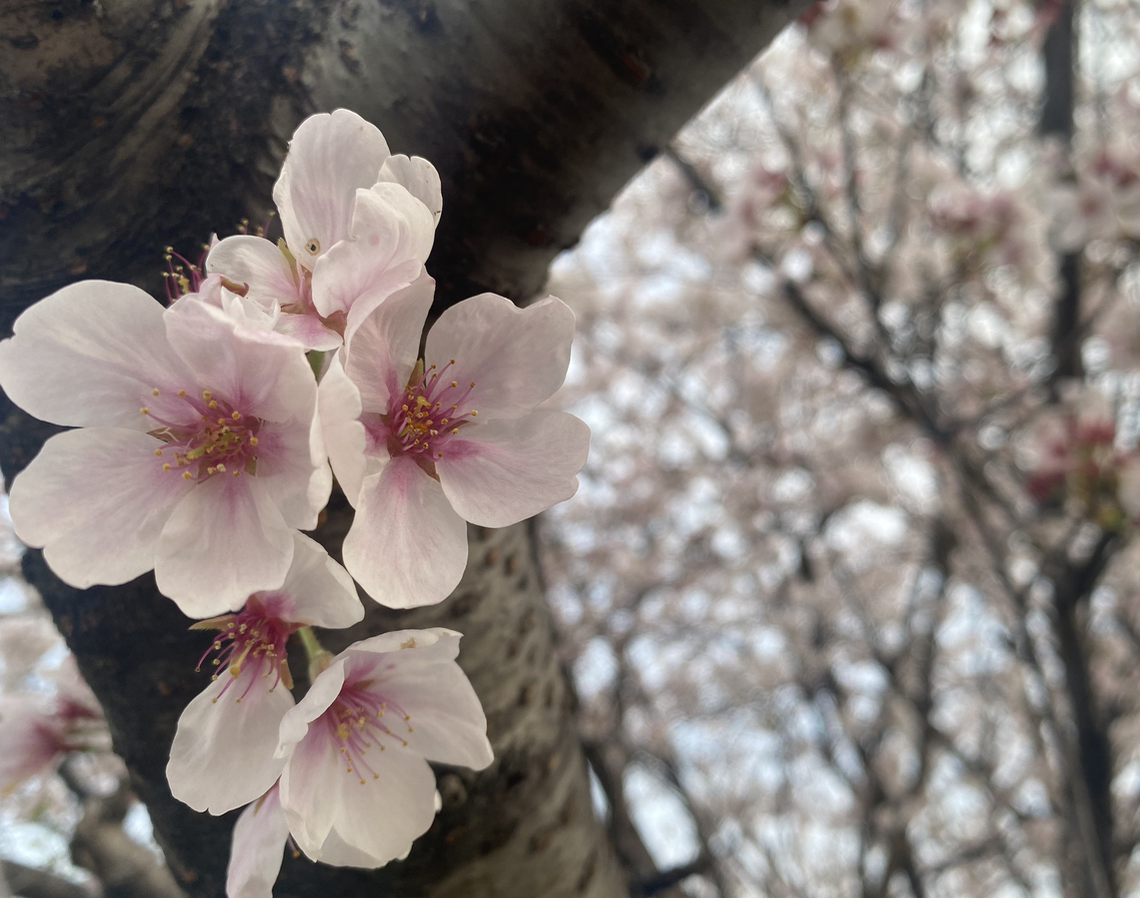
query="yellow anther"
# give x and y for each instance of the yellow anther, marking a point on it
(473, 413)
(455, 430)
(181, 392)
(237, 473)
(144, 410)
(154, 392)
(222, 468)
(206, 394)
(185, 475)
(253, 441)
(158, 452)
(235, 415)
(213, 403)
(472, 383)
(455, 383)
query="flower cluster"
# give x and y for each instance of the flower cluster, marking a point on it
(202, 445)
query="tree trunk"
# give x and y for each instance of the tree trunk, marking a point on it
(129, 125)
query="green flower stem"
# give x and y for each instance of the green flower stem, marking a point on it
(319, 657)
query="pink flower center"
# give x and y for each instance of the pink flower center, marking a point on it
(358, 720)
(222, 440)
(431, 410)
(251, 640)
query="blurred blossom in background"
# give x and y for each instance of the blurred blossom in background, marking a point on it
(849, 588)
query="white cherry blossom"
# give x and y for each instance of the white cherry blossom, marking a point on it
(198, 451)
(359, 224)
(258, 844)
(222, 756)
(356, 788)
(421, 447)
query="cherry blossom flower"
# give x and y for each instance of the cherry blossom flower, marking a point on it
(359, 224)
(198, 451)
(258, 843)
(356, 788)
(36, 730)
(419, 448)
(222, 756)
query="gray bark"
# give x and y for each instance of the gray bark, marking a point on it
(132, 124)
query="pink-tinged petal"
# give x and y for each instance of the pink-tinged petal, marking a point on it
(257, 263)
(96, 500)
(382, 817)
(257, 850)
(293, 468)
(90, 354)
(225, 541)
(383, 349)
(329, 159)
(391, 237)
(516, 357)
(407, 546)
(323, 692)
(420, 179)
(320, 591)
(308, 329)
(338, 401)
(446, 720)
(258, 371)
(507, 470)
(222, 755)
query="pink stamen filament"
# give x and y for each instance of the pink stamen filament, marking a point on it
(249, 639)
(223, 440)
(431, 411)
(355, 723)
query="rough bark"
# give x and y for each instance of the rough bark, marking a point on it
(132, 124)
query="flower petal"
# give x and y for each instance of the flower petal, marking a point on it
(330, 157)
(257, 263)
(516, 357)
(419, 177)
(308, 329)
(258, 848)
(338, 401)
(222, 756)
(385, 815)
(320, 591)
(390, 239)
(225, 541)
(338, 853)
(446, 720)
(293, 468)
(260, 372)
(407, 546)
(90, 354)
(96, 500)
(507, 470)
(383, 349)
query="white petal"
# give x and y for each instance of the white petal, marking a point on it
(383, 349)
(257, 850)
(507, 470)
(390, 239)
(419, 177)
(338, 853)
(293, 468)
(320, 591)
(385, 815)
(90, 354)
(96, 500)
(225, 541)
(329, 159)
(517, 357)
(338, 401)
(313, 769)
(222, 756)
(407, 546)
(257, 263)
(447, 724)
(261, 373)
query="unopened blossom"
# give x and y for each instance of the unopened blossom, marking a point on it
(197, 452)
(421, 447)
(359, 224)
(356, 788)
(222, 756)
